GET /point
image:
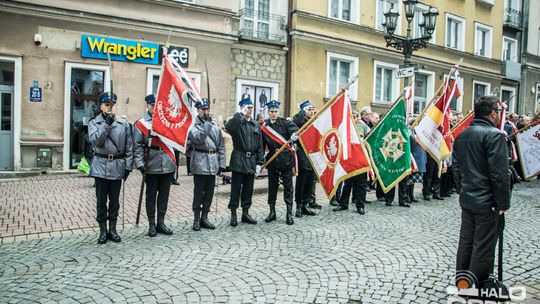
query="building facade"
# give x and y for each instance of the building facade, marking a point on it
(331, 41)
(530, 82)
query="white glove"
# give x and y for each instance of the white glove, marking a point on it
(258, 170)
(294, 137)
(244, 110)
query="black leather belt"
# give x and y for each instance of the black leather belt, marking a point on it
(211, 151)
(110, 156)
(247, 154)
(156, 148)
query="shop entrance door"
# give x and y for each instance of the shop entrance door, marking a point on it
(85, 82)
(6, 128)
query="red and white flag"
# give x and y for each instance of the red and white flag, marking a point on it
(333, 146)
(462, 125)
(273, 134)
(172, 111)
(145, 127)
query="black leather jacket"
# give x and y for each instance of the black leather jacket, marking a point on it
(247, 142)
(480, 162)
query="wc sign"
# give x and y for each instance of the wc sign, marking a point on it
(180, 54)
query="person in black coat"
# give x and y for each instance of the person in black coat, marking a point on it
(276, 131)
(246, 159)
(480, 160)
(304, 180)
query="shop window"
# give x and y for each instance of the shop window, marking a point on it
(259, 92)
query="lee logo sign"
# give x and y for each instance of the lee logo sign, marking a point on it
(120, 49)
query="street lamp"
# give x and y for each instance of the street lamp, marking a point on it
(408, 44)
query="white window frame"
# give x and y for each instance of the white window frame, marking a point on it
(353, 91)
(461, 46)
(489, 43)
(67, 102)
(240, 82)
(355, 11)
(514, 57)
(459, 101)
(399, 5)
(395, 81)
(255, 20)
(421, 8)
(475, 82)
(512, 104)
(151, 72)
(430, 87)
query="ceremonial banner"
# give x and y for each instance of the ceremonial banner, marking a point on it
(389, 147)
(144, 126)
(333, 146)
(433, 130)
(172, 111)
(528, 142)
(462, 125)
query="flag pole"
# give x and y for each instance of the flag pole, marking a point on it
(423, 112)
(310, 121)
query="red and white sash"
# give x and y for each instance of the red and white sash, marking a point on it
(274, 135)
(145, 127)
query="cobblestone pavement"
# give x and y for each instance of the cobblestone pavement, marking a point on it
(389, 255)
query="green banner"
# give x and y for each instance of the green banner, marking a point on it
(389, 147)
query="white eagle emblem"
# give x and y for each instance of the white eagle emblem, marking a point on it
(175, 105)
(332, 147)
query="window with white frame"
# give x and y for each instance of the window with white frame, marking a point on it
(456, 103)
(480, 89)
(257, 17)
(509, 49)
(419, 19)
(383, 6)
(152, 80)
(386, 86)
(340, 69)
(423, 90)
(346, 10)
(482, 40)
(508, 96)
(455, 32)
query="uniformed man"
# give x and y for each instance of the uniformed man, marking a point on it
(207, 161)
(246, 159)
(159, 169)
(112, 162)
(304, 180)
(276, 131)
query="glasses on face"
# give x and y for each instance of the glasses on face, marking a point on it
(498, 110)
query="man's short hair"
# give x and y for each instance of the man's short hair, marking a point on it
(364, 111)
(485, 104)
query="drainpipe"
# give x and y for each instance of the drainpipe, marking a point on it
(288, 63)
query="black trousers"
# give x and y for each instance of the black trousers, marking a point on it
(203, 192)
(107, 190)
(241, 190)
(388, 196)
(431, 180)
(273, 184)
(477, 240)
(188, 164)
(358, 185)
(446, 181)
(157, 186)
(403, 194)
(304, 187)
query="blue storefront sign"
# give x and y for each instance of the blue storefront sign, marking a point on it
(119, 49)
(35, 94)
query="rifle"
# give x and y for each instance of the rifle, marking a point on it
(143, 180)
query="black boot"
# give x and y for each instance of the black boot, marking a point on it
(306, 210)
(234, 221)
(298, 210)
(113, 235)
(161, 228)
(314, 205)
(197, 221)
(246, 218)
(289, 218)
(152, 227)
(102, 239)
(205, 223)
(411, 194)
(272, 216)
(360, 209)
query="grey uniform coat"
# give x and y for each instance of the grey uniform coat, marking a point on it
(206, 136)
(158, 161)
(115, 140)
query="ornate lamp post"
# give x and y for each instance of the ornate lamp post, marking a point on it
(408, 44)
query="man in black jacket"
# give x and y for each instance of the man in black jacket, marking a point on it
(304, 180)
(480, 161)
(276, 131)
(246, 159)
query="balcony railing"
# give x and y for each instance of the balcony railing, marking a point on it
(263, 26)
(512, 17)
